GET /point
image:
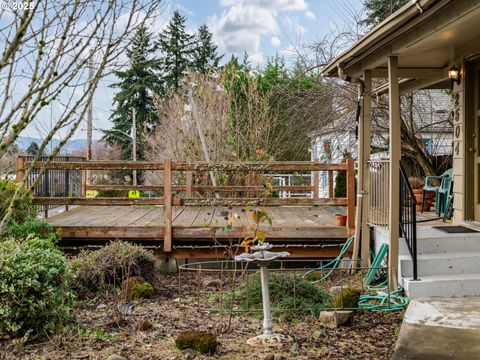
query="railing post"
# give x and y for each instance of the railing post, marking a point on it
(83, 183)
(46, 189)
(167, 207)
(330, 184)
(253, 180)
(20, 169)
(316, 182)
(350, 194)
(188, 183)
(67, 183)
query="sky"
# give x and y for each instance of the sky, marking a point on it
(261, 28)
(264, 28)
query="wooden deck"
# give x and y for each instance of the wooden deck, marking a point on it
(194, 226)
(183, 216)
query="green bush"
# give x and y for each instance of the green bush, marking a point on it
(33, 227)
(136, 287)
(340, 190)
(34, 294)
(314, 276)
(142, 291)
(347, 298)
(201, 341)
(22, 206)
(110, 265)
(287, 292)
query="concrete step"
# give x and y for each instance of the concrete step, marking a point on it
(444, 243)
(442, 286)
(441, 264)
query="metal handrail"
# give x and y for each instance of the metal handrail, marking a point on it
(408, 218)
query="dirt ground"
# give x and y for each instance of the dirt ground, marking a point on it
(149, 333)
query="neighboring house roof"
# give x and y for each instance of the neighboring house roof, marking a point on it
(343, 124)
(431, 113)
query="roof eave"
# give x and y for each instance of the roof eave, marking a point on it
(387, 27)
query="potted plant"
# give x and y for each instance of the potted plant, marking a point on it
(417, 185)
(341, 219)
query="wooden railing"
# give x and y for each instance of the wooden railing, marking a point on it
(378, 192)
(189, 191)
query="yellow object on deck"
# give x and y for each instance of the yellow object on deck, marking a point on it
(133, 194)
(91, 193)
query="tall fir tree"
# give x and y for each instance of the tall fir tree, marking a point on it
(33, 148)
(135, 91)
(177, 52)
(379, 10)
(206, 55)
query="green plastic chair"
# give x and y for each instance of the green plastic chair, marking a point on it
(446, 198)
(430, 187)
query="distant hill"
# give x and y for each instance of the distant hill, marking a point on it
(23, 142)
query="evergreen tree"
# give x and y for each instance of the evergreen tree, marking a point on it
(33, 148)
(379, 10)
(136, 87)
(177, 52)
(206, 56)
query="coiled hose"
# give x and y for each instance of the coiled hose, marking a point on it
(382, 301)
(331, 265)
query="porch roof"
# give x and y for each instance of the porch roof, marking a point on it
(426, 35)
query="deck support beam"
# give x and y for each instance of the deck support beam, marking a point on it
(394, 180)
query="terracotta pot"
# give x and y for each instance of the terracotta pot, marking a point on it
(341, 219)
(430, 195)
(427, 204)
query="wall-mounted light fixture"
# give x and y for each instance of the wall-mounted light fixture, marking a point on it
(454, 74)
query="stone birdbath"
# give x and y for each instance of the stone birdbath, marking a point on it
(262, 257)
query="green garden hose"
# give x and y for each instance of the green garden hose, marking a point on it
(374, 270)
(381, 301)
(331, 265)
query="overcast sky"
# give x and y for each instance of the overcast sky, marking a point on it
(262, 28)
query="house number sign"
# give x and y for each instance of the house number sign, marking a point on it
(456, 119)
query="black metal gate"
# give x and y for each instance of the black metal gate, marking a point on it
(55, 183)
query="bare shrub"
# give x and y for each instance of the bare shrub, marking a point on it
(107, 267)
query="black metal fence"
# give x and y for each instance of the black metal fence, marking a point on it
(408, 218)
(55, 183)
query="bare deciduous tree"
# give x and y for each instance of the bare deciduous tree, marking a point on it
(419, 115)
(45, 57)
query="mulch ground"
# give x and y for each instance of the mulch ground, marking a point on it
(149, 333)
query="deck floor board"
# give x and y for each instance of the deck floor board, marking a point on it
(288, 222)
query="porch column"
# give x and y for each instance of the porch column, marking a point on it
(365, 174)
(362, 230)
(394, 181)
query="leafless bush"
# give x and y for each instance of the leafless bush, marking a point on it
(232, 131)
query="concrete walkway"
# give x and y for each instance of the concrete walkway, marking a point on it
(440, 329)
